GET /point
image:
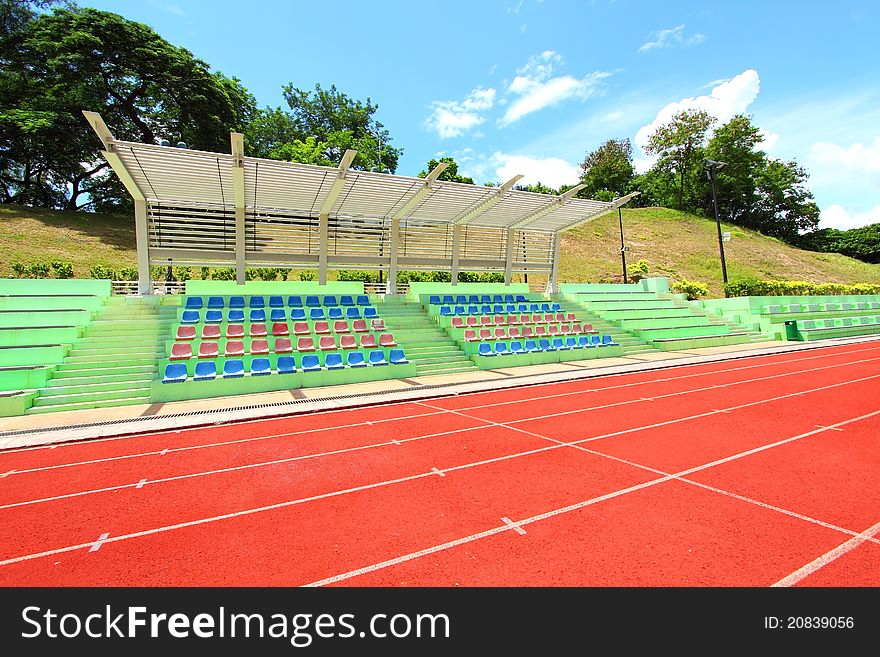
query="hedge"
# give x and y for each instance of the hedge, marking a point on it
(751, 287)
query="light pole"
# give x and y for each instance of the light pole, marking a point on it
(622, 245)
(712, 167)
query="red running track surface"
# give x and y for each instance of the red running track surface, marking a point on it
(749, 472)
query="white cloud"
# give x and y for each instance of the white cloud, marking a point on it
(836, 216)
(551, 171)
(672, 37)
(725, 101)
(537, 88)
(451, 118)
(768, 139)
(169, 7)
(856, 158)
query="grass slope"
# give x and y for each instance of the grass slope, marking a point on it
(675, 244)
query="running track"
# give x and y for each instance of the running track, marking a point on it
(753, 472)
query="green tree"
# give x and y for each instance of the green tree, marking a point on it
(450, 173)
(784, 206)
(538, 188)
(145, 88)
(735, 143)
(680, 145)
(608, 170)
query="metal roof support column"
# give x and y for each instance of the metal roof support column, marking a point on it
(508, 265)
(552, 282)
(145, 285)
(323, 247)
(237, 140)
(391, 287)
(456, 243)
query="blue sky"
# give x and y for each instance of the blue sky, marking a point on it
(531, 86)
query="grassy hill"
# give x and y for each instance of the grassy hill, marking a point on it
(675, 244)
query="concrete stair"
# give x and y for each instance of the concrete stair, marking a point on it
(114, 363)
(423, 341)
(631, 344)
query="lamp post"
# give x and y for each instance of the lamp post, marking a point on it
(622, 245)
(712, 167)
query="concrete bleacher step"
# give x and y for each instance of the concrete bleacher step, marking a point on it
(85, 405)
(89, 385)
(90, 396)
(93, 376)
(71, 370)
(446, 368)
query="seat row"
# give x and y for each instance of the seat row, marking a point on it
(837, 323)
(545, 344)
(207, 370)
(258, 346)
(448, 299)
(497, 309)
(276, 315)
(256, 330)
(502, 333)
(474, 321)
(197, 303)
(775, 309)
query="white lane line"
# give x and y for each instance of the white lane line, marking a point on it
(720, 370)
(395, 442)
(141, 483)
(6, 474)
(234, 468)
(97, 544)
(828, 557)
(437, 472)
(822, 426)
(513, 525)
(550, 514)
(163, 452)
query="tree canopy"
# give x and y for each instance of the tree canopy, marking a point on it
(608, 171)
(450, 173)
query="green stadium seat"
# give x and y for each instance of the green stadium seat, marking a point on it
(233, 369)
(174, 373)
(205, 371)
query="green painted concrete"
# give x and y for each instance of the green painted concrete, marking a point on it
(55, 286)
(229, 288)
(419, 292)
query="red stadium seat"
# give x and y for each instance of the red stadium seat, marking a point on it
(540, 329)
(472, 321)
(527, 331)
(283, 346)
(258, 330)
(560, 317)
(327, 343)
(348, 342)
(359, 326)
(457, 322)
(387, 340)
(512, 319)
(259, 347)
(340, 326)
(280, 328)
(234, 348)
(576, 328)
(525, 319)
(500, 320)
(305, 344)
(322, 328)
(471, 336)
(301, 328)
(378, 324)
(208, 350)
(181, 351)
(485, 334)
(186, 333)
(485, 320)
(570, 317)
(500, 334)
(513, 332)
(368, 341)
(234, 331)
(210, 332)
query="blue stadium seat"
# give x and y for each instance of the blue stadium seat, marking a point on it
(475, 310)
(213, 316)
(446, 311)
(233, 369)
(572, 343)
(460, 298)
(334, 362)
(473, 299)
(434, 300)
(516, 347)
(236, 316)
(294, 301)
(216, 302)
(334, 313)
(545, 345)
(396, 357)
(261, 367)
(330, 300)
(497, 309)
(595, 340)
(560, 345)
(363, 300)
(297, 314)
(608, 341)
(485, 349)
(448, 300)
(276, 302)
(356, 359)
(257, 314)
(377, 357)
(459, 310)
(555, 307)
(497, 298)
(531, 346)
(510, 307)
(277, 315)
(485, 299)
(520, 299)
(533, 307)
(236, 302)
(584, 342)
(346, 300)
(522, 308)
(508, 298)
(545, 307)
(190, 317)
(174, 373)
(312, 302)
(310, 363)
(257, 302)
(370, 312)
(286, 365)
(316, 313)
(206, 370)
(193, 303)
(501, 349)
(352, 313)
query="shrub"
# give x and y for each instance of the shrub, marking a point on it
(638, 270)
(205, 273)
(38, 270)
(126, 274)
(181, 273)
(751, 287)
(358, 275)
(102, 272)
(693, 289)
(308, 275)
(19, 269)
(62, 269)
(225, 273)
